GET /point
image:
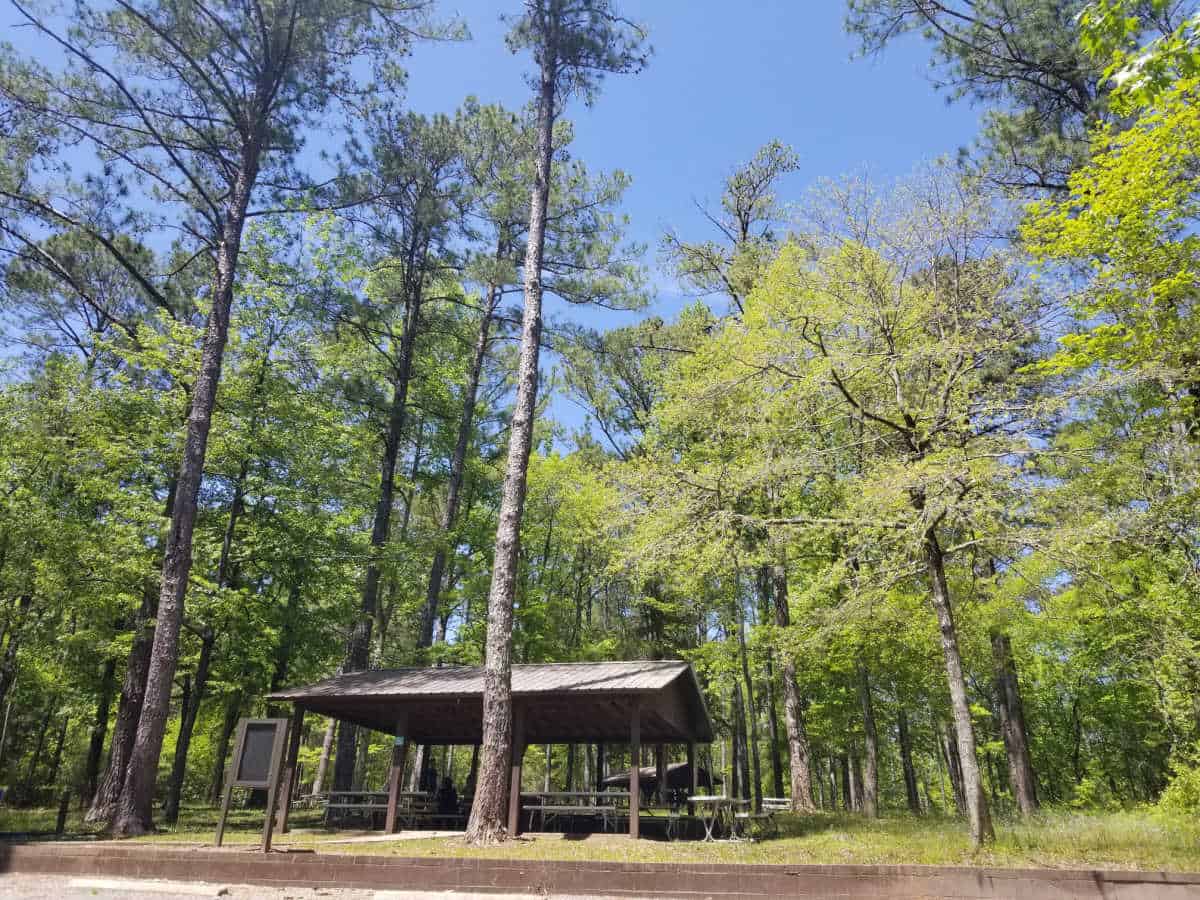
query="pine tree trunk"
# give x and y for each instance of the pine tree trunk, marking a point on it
(906, 760)
(773, 731)
(833, 785)
(56, 758)
(848, 800)
(91, 768)
(856, 781)
(793, 702)
(36, 756)
(978, 816)
(473, 774)
(733, 772)
(949, 752)
(318, 787)
(129, 711)
(458, 461)
(870, 787)
(742, 746)
(362, 758)
(358, 649)
(751, 713)
(1012, 726)
(187, 722)
(487, 822)
(191, 710)
(418, 768)
(135, 806)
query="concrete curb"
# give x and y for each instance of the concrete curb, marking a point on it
(688, 881)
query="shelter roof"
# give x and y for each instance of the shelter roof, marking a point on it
(560, 702)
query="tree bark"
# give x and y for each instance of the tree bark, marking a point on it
(487, 822)
(818, 782)
(949, 755)
(323, 762)
(129, 711)
(978, 816)
(134, 812)
(358, 649)
(856, 781)
(1012, 726)
(751, 711)
(833, 783)
(91, 768)
(773, 730)
(906, 761)
(870, 786)
(56, 758)
(361, 760)
(187, 722)
(793, 702)
(466, 421)
(233, 707)
(848, 801)
(741, 744)
(36, 756)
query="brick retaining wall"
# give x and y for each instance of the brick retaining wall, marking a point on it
(669, 880)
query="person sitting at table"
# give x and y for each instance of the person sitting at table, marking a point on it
(447, 798)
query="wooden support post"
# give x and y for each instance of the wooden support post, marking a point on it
(273, 791)
(514, 785)
(290, 768)
(635, 757)
(396, 775)
(660, 773)
(229, 773)
(600, 766)
(694, 768)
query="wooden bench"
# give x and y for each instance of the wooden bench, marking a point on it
(550, 812)
(368, 810)
(777, 804)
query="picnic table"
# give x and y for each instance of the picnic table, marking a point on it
(555, 804)
(369, 804)
(716, 810)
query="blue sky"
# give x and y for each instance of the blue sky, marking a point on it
(724, 79)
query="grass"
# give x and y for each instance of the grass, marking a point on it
(1133, 839)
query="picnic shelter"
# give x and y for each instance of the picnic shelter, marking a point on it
(656, 702)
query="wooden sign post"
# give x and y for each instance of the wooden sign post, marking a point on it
(256, 763)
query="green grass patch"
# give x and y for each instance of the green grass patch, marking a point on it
(1134, 839)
